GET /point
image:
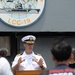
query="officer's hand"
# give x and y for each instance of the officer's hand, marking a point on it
(20, 60)
(40, 62)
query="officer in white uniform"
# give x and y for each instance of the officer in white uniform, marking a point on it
(5, 68)
(28, 60)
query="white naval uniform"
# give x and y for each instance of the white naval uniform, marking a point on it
(28, 64)
(5, 68)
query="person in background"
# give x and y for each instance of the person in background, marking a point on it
(28, 60)
(61, 53)
(72, 60)
(5, 68)
(3, 52)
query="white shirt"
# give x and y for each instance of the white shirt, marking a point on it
(5, 68)
(29, 63)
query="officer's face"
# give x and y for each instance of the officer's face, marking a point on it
(28, 47)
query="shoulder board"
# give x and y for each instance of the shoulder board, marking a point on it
(38, 54)
(18, 54)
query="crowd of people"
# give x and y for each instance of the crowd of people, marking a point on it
(62, 54)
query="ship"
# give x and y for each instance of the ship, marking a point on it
(19, 9)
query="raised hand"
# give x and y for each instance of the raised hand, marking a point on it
(20, 60)
(40, 62)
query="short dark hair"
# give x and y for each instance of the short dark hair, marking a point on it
(73, 52)
(61, 51)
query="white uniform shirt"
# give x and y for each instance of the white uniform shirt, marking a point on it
(5, 68)
(29, 63)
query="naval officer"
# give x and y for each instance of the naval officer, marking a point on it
(28, 60)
